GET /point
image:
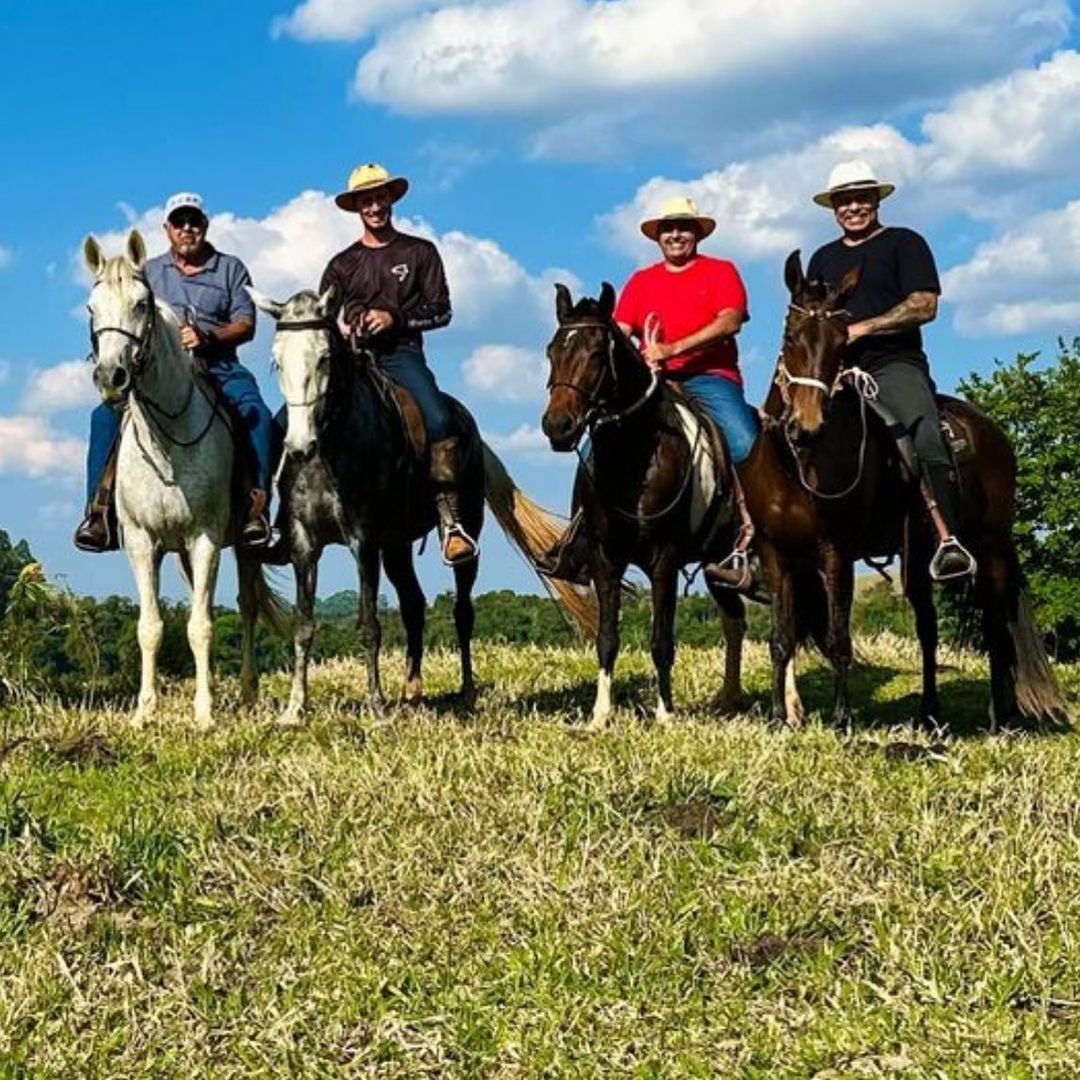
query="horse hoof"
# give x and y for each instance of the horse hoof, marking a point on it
(291, 718)
(733, 705)
(663, 714)
(599, 721)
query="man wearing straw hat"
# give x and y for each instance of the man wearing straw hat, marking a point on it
(393, 289)
(896, 294)
(685, 311)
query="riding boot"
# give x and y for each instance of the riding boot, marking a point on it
(457, 545)
(741, 569)
(952, 559)
(98, 531)
(568, 558)
(256, 533)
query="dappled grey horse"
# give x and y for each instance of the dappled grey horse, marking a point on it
(174, 469)
(348, 477)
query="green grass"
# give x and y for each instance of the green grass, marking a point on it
(504, 895)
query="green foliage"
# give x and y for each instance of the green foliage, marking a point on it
(1039, 409)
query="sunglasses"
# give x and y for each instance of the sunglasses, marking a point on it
(684, 226)
(194, 222)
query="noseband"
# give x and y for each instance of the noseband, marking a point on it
(595, 416)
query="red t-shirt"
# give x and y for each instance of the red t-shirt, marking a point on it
(685, 301)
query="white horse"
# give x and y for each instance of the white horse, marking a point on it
(174, 472)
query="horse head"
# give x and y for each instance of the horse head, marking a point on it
(583, 379)
(811, 357)
(302, 352)
(122, 315)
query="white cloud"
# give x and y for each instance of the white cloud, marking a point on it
(506, 373)
(1028, 279)
(64, 386)
(5, 257)
(341, 20)
(28, 446)
(525, 440)
(731, 63)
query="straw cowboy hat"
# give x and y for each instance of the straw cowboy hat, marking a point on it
(852, 176)
(678, 209)
(367, 178)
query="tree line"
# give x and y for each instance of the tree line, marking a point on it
(53, 640)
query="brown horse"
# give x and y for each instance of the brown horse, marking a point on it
(635, 488)
(825, 487)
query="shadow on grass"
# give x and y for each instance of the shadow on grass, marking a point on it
(635, 691)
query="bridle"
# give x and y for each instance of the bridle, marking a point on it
(595, 416)
(306, 324)
(862, 383)
(142, 340)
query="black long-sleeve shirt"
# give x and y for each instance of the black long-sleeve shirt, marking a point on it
(405, 278)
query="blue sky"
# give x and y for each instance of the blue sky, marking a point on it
(536, 134)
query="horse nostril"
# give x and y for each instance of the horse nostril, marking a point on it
(558, 426)
(119, 378)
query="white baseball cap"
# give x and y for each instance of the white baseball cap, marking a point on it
(182, 200)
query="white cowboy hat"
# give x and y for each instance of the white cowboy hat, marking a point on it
(852, 176)
(367, 178)
(678, 208)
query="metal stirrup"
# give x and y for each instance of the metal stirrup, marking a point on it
(457, 530)
(950, 544)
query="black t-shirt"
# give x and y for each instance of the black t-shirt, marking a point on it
(892, 265)
(405, 277)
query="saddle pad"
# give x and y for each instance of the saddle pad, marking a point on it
(703, 484)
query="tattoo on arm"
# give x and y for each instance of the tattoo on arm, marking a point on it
(912, 311)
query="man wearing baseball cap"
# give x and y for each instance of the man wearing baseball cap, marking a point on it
(896, 294)
(205, 287)
(393, 289)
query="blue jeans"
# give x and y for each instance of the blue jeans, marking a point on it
(408, 367)
(724, 401)
(240, 389)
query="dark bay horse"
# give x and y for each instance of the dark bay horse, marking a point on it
(636, 488)
(349, 477)
(825, 487)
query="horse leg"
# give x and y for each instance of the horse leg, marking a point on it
(733, 620)
(367, 559)
(607, 582)
(306, 572)
(664, 594)
(398, 562)
(247, 571)
(464, 619)
(919, 591)
(782, 648)
(840, 587)
(145, 558)
(205, 556)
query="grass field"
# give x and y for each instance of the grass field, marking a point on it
(503, 895)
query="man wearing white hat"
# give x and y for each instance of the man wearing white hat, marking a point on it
(897, 292)
(393, 289)
(206, 289)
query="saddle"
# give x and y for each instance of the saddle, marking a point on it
(711, 507)
(403, 405)
(953, 433)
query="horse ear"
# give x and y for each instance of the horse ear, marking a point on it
(564, 305)
(329, 301)
(136, 249)
(273, 308)
(793, 273)
(607, 299)
(847, 285)
(93, 256)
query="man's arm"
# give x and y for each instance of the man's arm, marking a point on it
(727, 324)
(433, 311)
(914, 310)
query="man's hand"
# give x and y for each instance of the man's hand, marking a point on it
(191, 337)
(375, 321)
(858, 330)
(655, 355)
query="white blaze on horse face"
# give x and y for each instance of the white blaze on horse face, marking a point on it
(303, 362)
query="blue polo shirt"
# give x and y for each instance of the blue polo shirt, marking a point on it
(216, 293)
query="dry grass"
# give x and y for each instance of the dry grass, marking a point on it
(501, 895)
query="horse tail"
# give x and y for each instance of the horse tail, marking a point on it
(1038, 695)
(272, 607)
(532, 531)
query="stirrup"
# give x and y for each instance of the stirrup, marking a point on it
(739, 563)
(456, 530)
(949, 546)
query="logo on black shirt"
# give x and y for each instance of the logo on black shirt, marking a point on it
(401, 271)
